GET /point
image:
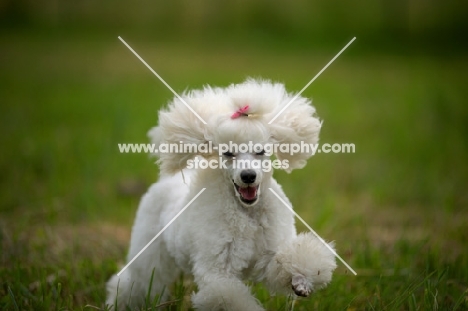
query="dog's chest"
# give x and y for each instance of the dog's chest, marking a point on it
(248, 243)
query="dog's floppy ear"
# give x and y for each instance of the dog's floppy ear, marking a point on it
(178, 127)
(297, 124)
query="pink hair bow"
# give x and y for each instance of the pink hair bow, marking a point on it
(241, 112)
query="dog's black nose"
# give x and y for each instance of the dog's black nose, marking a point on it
(248, 176)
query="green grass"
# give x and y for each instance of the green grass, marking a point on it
(397, 208)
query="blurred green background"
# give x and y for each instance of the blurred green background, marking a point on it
(70, 91)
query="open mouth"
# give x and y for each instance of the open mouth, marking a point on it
(248, 195)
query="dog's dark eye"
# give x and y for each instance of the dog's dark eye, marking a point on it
(261, 152)
(228, 154)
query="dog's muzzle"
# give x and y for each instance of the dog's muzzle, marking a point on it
(248, 194)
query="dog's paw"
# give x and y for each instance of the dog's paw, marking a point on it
(301, 286)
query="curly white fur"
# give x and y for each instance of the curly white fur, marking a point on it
(222, 238)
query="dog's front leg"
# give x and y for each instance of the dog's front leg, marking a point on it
(301, 266)
(223, 292)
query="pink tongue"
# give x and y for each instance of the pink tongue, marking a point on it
(248, 193)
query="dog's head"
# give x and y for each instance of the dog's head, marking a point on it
(247, 171)
(238, 135)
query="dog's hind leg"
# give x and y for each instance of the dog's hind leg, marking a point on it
(143, 285)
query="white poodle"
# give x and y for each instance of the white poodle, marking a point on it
(237, 229)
